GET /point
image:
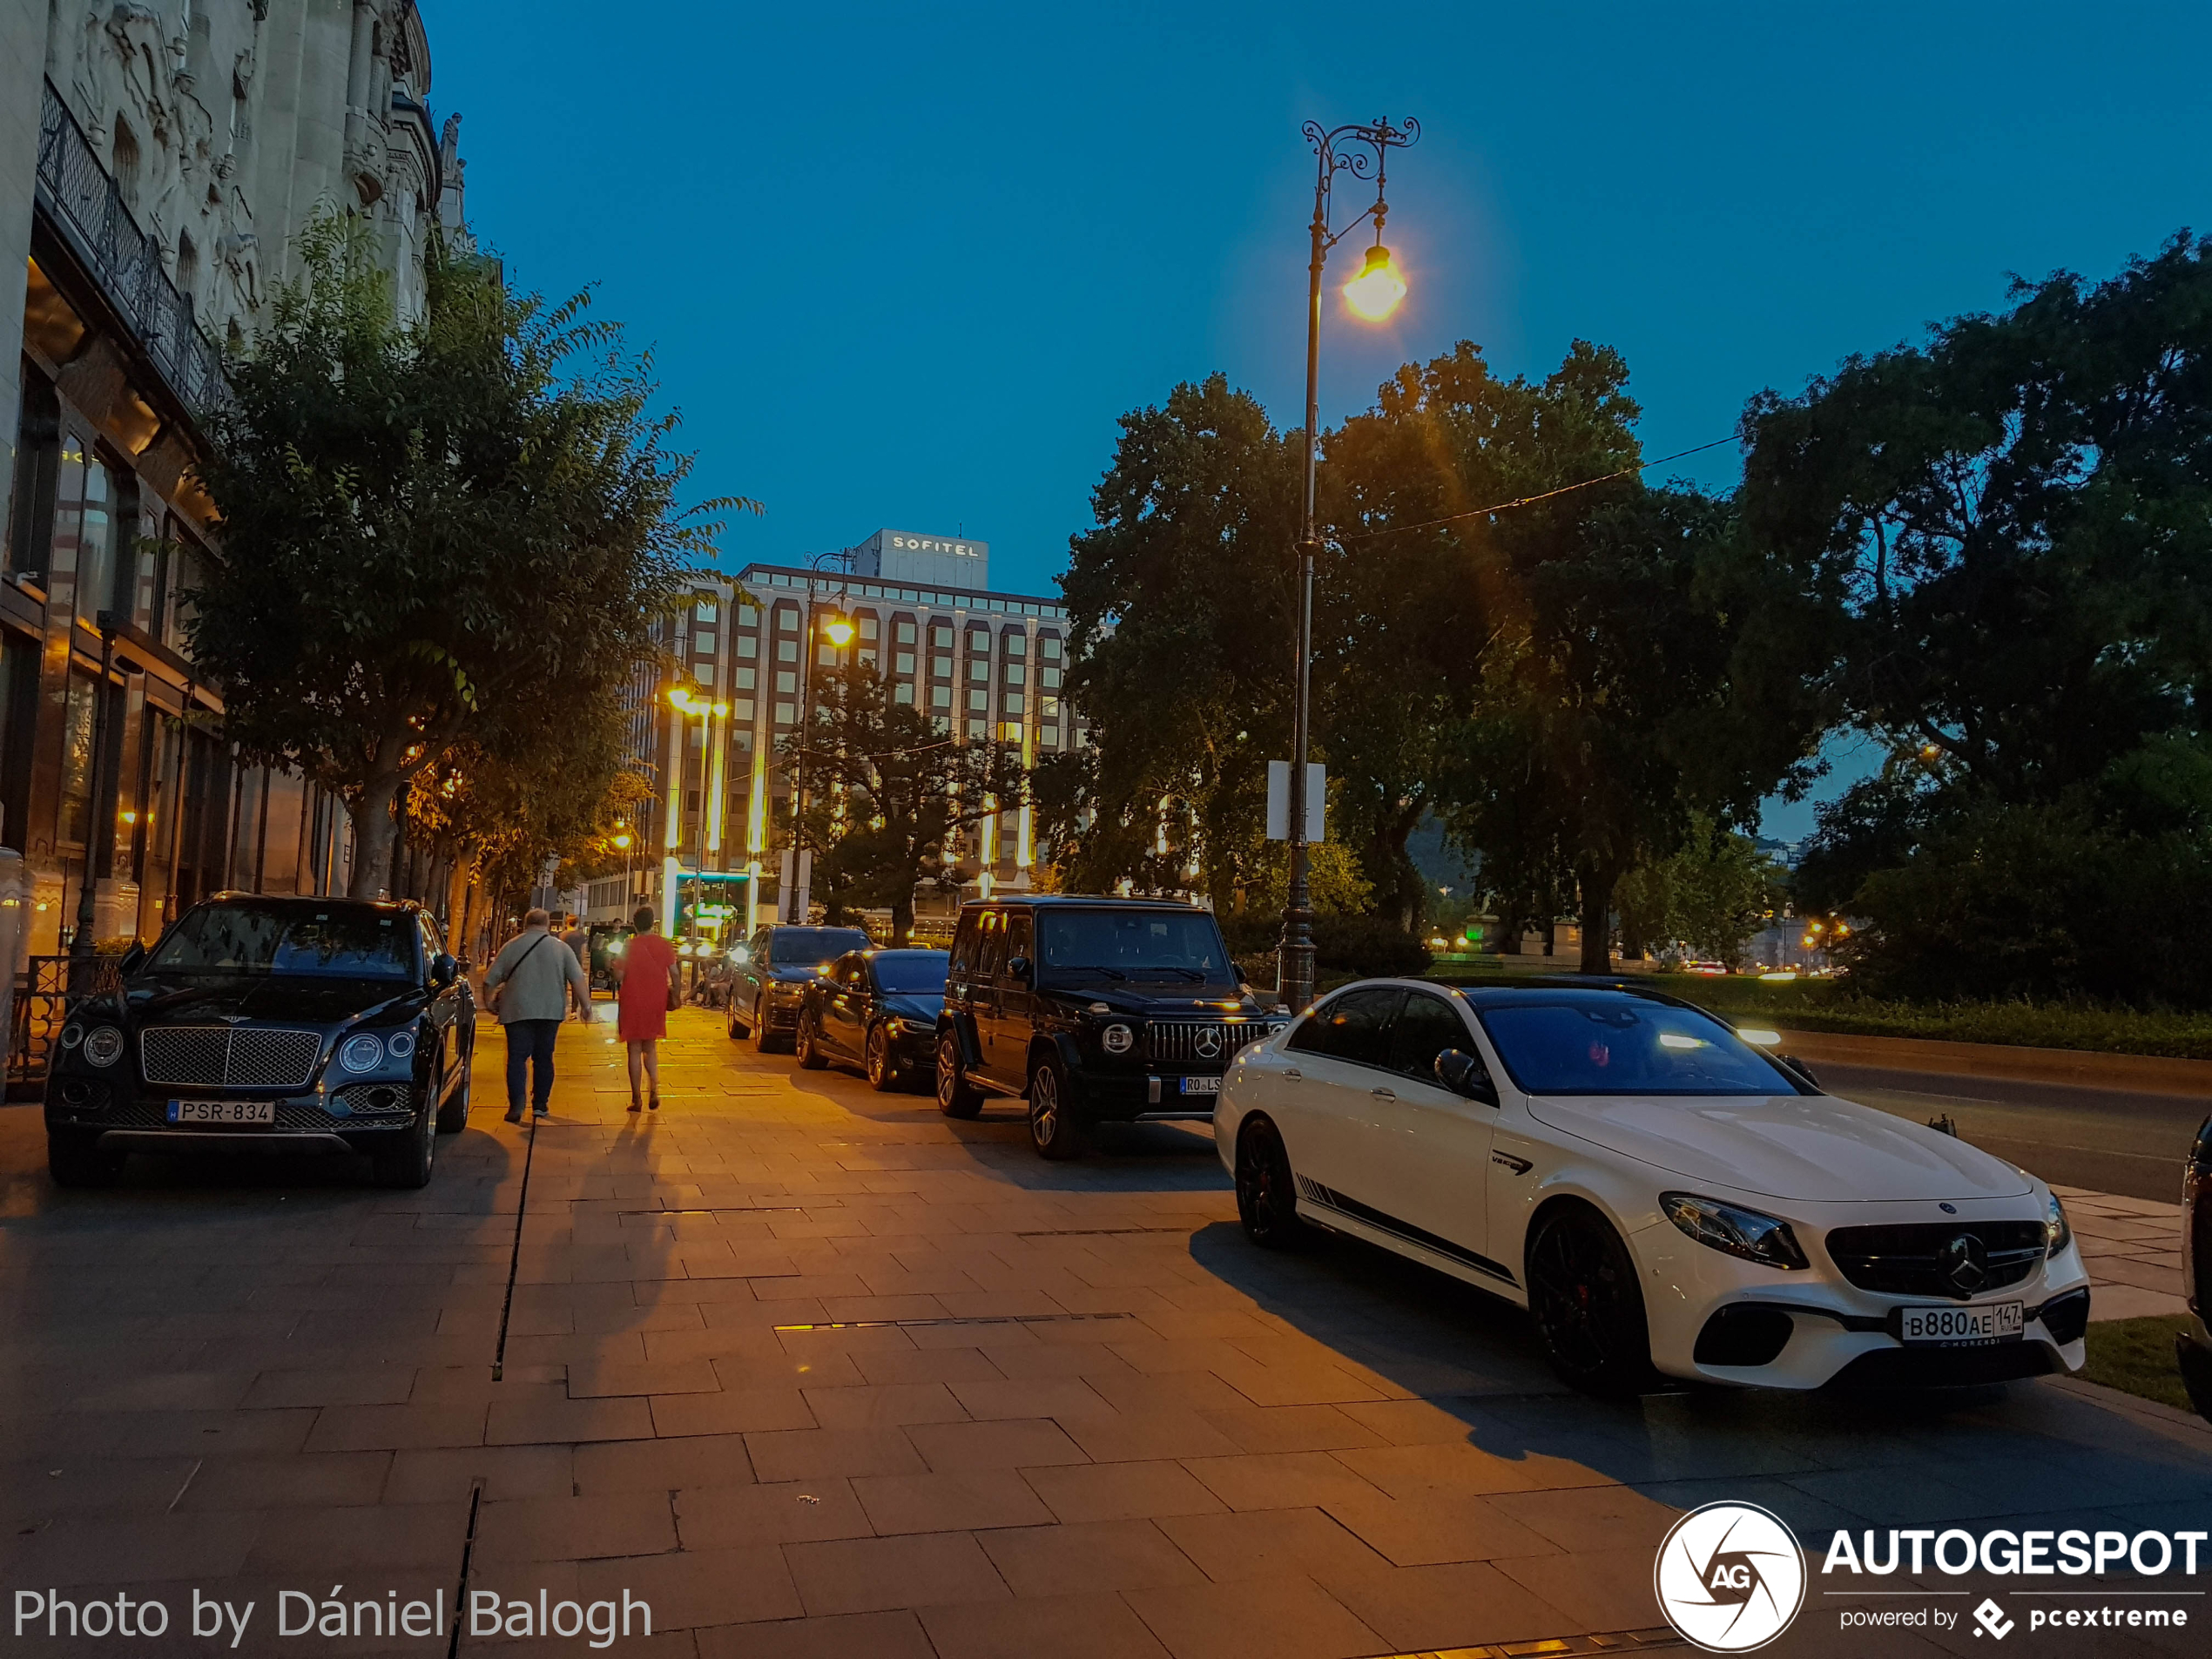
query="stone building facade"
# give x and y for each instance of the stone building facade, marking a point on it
(158, 163)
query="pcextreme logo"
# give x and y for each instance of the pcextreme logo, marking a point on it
(1730, 1577)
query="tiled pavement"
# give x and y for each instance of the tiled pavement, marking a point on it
(2133, 1249)
(813, 1371)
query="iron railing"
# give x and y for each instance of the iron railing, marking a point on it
(85, 201)
(43, 999)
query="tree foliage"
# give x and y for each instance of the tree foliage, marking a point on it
(455, 531)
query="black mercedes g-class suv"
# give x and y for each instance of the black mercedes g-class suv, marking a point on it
(1094, 1010)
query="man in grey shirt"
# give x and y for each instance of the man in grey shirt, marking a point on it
(529, 983)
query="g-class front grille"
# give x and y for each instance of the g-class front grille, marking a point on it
(1199, 1043)
(1957, 1259)
(218, 1056)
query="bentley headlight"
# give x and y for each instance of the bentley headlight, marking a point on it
(1117, 1038)
(2057, 1234)
(1738, 1231)
(103, 1045)
(72, 1035)
(400, 1044)
(362, 1053)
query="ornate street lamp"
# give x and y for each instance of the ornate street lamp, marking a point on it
(1358, 149)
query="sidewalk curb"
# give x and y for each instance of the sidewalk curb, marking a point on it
(2131, 1073)
(2151, 1413)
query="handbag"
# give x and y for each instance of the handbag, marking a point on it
(494, 994)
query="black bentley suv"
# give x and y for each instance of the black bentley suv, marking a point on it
(877, 1009)
(264, 1025)
(1091, 1010)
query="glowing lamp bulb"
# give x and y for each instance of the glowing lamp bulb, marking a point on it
(839, 631)
(621, 840)
(1374, 294)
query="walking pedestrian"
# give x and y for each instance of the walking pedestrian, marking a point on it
(645, 978)
(579, 941)
(529, 985)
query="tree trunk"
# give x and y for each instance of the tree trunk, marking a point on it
(457, 904)
(902, 918)
(1597, 882)
(374, 835)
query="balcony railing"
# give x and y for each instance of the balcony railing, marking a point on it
(82, 197)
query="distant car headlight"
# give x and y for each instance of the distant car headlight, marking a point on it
(362, 1053)
(400, 1044)
(1117, 1038)
(103, 1045)
(1738, 1231)
(2057, 1232)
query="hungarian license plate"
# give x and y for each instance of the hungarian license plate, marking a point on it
(1201, 1085)
(1960, 1327)
(222, 1111)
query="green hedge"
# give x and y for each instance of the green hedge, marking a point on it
(1830, 1005)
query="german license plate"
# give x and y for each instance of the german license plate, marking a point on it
(222, 1111)
(1960, 1327)
(1201, 1085)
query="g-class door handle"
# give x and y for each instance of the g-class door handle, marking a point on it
(1382, 1093)
(1294, 1074)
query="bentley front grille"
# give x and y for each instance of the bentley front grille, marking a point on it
(216, 1056)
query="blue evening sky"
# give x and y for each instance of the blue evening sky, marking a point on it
(904, 266)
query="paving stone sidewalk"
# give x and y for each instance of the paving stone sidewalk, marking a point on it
(815, 1371)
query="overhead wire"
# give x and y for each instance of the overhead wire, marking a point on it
(1529, 501)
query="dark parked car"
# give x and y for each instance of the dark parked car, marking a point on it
(1093, 1010)
(876, 1009)
(2195, 1343)
(269, 1025)
(771, 970)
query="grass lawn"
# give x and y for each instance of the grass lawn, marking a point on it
(2136, 1356)
(1830, 1005)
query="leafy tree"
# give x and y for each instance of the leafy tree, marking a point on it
(1183, 600)
(1713, 894)
(888, 792)
(429, 531)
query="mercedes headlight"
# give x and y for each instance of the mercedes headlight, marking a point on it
(103, 1045)
(1117, 1038)
(362, 1053)
(2057, 1234)
(1738, 1231)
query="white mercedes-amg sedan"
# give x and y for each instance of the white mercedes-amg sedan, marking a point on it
(1660, 1193)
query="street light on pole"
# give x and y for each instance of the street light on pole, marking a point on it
(1359, 149)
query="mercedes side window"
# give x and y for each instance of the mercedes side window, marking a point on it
(1018, 936)
(962, 962)
(1425, 1027)
(1354, 1027)
(992, 956)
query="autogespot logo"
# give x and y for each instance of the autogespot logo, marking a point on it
(1730, 1577)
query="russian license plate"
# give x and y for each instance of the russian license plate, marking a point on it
(222, 1111)
(1201, 1085)
(1960, 1327)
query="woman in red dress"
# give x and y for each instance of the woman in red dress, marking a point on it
(643, 974)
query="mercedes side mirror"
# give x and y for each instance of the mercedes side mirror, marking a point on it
(1020, 968)
(1464, 1075)
(443, 970)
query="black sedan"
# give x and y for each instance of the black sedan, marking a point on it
(269, 1025)
(769, 974)
(2195, 1342)
(876, 1009)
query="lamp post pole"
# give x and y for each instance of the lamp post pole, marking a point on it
(1337, 149)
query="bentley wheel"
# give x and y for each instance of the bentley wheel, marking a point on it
(1266, 1192)
(406, 1164)
(810, 1057)
(956, 1096)
(1588, 1309)
(1054, 1128)
(453, 1116)
(883, 1071)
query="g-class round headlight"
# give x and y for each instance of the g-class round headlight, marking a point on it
(360, 1053)
(400, 1044)
(103, 1045)
(1117, 1038)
